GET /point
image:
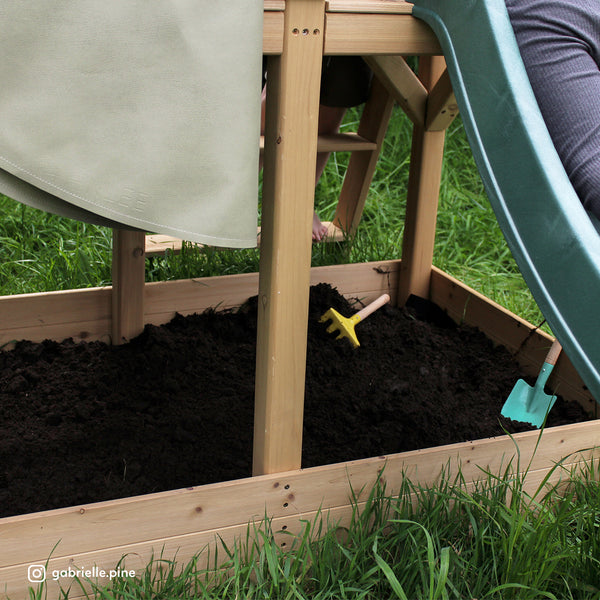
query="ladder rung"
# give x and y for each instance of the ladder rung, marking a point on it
(338, 142)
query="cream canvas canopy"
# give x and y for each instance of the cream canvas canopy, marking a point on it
(134, 113)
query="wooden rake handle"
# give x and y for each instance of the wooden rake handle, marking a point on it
(371, 308)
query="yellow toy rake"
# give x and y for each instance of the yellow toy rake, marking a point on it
(345, 325)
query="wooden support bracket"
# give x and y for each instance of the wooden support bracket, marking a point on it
(402, 83)
(442, 107)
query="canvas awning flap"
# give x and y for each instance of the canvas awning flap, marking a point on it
(134, 113)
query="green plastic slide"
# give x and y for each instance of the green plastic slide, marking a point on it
(553, 239)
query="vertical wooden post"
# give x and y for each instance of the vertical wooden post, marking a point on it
(128, 274)
(422, 197)
(362, 164)
(291, 130)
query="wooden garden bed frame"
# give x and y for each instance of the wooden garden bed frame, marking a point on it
(182, 522)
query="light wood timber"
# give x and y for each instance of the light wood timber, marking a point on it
(182, 548)
(272, 32)
(357, 34)
(422, 197)
(86, 314)
(286, 238)
(337, 142)
(402, 83)
(370, 6)
(361, 166)
(81, 314)
(288, 494)
(442, 107)
(276, 5)
(100, 534)
(129, 275)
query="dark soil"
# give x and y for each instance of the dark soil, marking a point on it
(83, 422)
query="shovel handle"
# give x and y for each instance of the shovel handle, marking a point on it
(371, 308)
(553, 353)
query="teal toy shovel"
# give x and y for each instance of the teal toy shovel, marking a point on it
(531, 404)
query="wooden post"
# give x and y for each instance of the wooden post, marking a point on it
(422, 197)
(128, 273)
(291, 129)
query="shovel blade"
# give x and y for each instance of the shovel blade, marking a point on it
(528, 404)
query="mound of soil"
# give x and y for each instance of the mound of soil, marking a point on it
(84, 422)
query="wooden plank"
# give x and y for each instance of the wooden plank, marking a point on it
(286, 239)
(102, 533)
(361, 167)
(128, 273)
(86, 314)
(402, 83)
(530, 346)
(348, 33)
(181, 549)
(442, 107)
(80, 314)
(370, 6)
(276, 5)
(422, 197)
(272, 32)
(132, 520)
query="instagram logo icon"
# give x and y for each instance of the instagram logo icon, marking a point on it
(36, 573)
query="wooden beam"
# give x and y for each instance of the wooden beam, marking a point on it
(442, 107)
(130, 531)
(286, 238)
(348, 33)
(128, 273)
(370, 6)
(402, 83)
(86, 314)
(272, 32)
(274, 5)
(422, 197)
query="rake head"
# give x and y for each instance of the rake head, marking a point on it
(344, 325)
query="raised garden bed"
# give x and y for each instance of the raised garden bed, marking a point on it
(198, 427)
(84, 422)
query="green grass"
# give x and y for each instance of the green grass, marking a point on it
(446, 541)
(40, 252)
